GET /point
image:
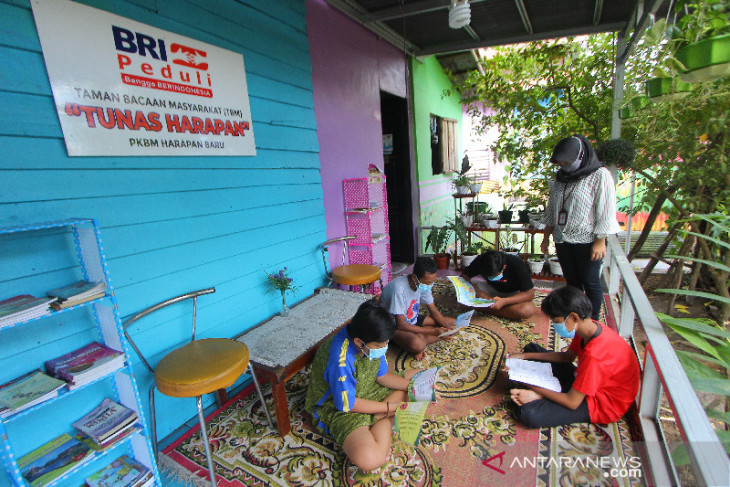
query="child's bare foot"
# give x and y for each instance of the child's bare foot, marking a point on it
(523, 396)
(421, 355)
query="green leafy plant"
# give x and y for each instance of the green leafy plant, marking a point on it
(707, 366)
(438, 239)
(509, 241)
(700, 19)
(462, 180)
(475, 248)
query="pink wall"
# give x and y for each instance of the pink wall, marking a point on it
(350, 66)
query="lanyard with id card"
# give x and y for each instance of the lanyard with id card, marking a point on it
(563, 213)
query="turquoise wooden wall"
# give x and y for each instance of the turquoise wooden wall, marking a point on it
(169, 224)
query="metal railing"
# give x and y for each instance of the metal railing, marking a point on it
(662, 373)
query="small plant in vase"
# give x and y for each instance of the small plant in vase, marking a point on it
(471, 252)
(536, 264)
(438, 241)
(475, 186)
(461, 184)
(505, 215)
(283, 283)
(509, 242)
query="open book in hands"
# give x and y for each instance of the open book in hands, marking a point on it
(461, 321)
(421, 386)
(534, 373)
(466, 295)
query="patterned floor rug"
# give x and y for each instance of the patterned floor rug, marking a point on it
(470, 436)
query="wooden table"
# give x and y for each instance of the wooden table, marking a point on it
(281, 346)
(517, 228)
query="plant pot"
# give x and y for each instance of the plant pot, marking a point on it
(666, 88)
(537, 225)
(705, 60)
(555, 268)
(475, 207)
(475, 188)
(625, 113)
(490, 222)
(462, 190)
(536, 266)
(524, 216)
(511, 251)
(466, 260)
(467, 220)
(442, 260)
(505, 216)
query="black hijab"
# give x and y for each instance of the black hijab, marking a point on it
(578, 146)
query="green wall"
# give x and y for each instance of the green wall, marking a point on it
(429, 82)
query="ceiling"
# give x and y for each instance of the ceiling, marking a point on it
(421, 27)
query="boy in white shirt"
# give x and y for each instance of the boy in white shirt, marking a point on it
(403, 296)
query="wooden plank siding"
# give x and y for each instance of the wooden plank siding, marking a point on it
(168, 224)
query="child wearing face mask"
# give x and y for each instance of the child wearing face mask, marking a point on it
(351, 394)
(602, 386)
(403, 297)
(507, 282)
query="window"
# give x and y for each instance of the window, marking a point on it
(444, 145)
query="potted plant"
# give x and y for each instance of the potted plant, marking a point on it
(471, 252)
(665, 84)
(490, 220)
(461, 184)
(475, 186)
(536, 264)
(509, 242)
(666, 88)
(702, 40)
(281, 282)
(466, 218)
(505, 214)
(438, 241)
(555, 268)
(524, 215)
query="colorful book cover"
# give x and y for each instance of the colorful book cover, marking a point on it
(409, 421)
(122, 472)
(29, 389)
(105, 420)
(50, 461)
(25, 306)
(81, 362)
(78, 290)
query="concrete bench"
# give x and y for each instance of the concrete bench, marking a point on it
(282, 346)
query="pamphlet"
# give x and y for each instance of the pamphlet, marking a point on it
(466, 295)
(408, 421)
(464, 319)
(421, 386)
(534, 373)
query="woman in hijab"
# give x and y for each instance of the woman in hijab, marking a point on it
(580, 213)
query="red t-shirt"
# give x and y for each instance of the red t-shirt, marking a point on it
(607, 373)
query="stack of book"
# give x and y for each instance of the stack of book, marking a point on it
(76, 293)
(45, 464)
(23, 308)
(106, 424)
(122, 472)
(85, 364)
(27, 391)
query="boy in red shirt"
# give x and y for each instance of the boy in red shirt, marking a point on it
(603, 385)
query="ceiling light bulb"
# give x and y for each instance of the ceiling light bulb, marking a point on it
(459, 14)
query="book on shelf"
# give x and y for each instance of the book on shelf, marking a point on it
(26, 391)
(85, 364)
(48, 462)
(22, 308)
(76, 293)
(106, 421)
(122, 472)
(100, 447)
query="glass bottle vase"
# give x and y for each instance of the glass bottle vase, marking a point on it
(284, 308)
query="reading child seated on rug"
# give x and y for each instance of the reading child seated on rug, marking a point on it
(603, 385)
(508, 283)
(351, 394)
(403, 297)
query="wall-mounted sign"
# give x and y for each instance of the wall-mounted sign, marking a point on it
(123, 88)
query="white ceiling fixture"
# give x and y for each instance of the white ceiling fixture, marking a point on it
(459, 14)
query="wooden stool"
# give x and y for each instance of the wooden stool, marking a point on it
(196, 368)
